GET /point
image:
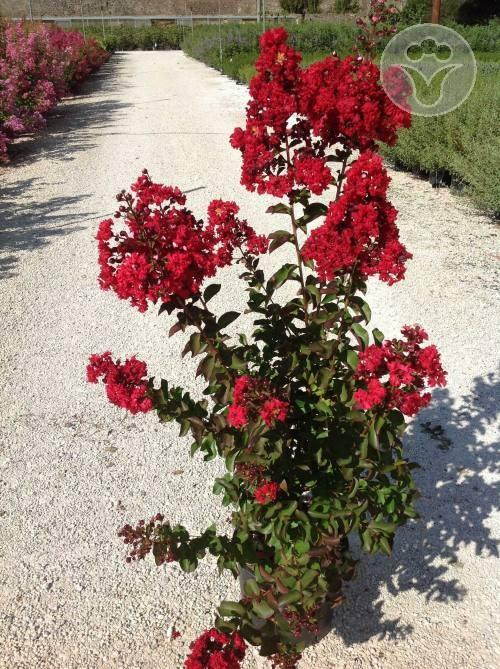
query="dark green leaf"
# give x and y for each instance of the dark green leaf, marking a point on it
(226, 319)
(211, 291)
(279, 208)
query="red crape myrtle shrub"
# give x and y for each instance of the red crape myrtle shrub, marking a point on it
(308, 412)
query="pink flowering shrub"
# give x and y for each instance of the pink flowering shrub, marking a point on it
(308, 412)
(38, 66)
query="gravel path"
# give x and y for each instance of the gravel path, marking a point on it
(73, 469)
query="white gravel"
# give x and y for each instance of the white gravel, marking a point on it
(73, 469)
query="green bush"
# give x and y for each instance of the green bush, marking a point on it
(143, 38)
(465, 142)
(342, 6)
(233, 48)
(300, 6)
(204, 44)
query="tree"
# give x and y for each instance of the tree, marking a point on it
(300, 6)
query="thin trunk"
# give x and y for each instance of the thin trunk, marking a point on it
(436, 11)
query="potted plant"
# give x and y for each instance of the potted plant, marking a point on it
(307, 412)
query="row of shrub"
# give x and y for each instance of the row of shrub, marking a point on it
(141, 38)
(204, 41)
(38, 66)
(462, 146)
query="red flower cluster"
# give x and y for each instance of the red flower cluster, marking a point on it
(165, 251)
(359, 230)
(226, 232)
(312, 173)
(126, 384)
(344, 102)
(216, 650)
(267, 493)
(398, 85)
(252, 399)
(295, 115)
(273, 102)
(396, 373)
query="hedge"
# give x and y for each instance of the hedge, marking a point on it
(464, 143)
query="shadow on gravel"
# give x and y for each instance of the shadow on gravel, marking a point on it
(66, 134)
(27, 220)
(26, 225)
(459, 463)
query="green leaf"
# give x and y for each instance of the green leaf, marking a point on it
(278, 238)
(312, 212)
(230, 459)
(279, 208)
(226, 319)
(211, 291)
(308, 578)
(363, 449)
(302, 546)
(237, 363)
(359, 304)
(288, 509)
(251, 587)
(352, 359)
(263, 610)
(373, 437)
(385, 546)
(188, 565)
(361, 334)
(282, 275)
(229, 609)
(378, 336)
(367, 541)
(290, 598)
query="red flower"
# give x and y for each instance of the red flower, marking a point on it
(164, 252)
(267, 493)
(313, 173)
(359, 233)
(395, 374)
(274, 410)
(374, 394)
(344, 102)
(226, 232)
(237, 415)
(295, 116)
(126, 384)
(273, 93)
(252, 397)
(216, 650)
